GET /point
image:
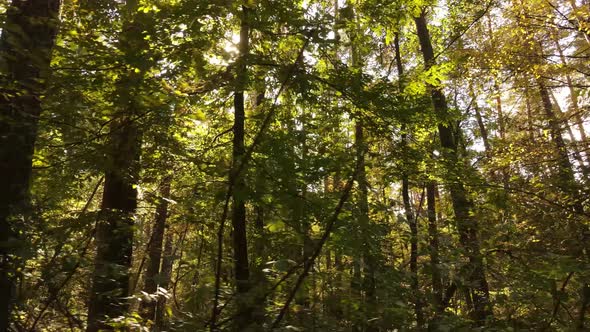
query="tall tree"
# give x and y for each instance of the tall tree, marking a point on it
(114, 231)
(239, 191)
(462, 206)
(153, 270)
(28, 37)
(411, 219)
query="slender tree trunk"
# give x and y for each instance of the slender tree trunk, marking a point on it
(482, 129)
(152, 274)
(437, 287)
(412, 220)
(114, 232)
(243, 317)
(565, 169)
(575, 148)
(165, 274)
(365, 263)
(501, 122)
(497, 91)
(304, 298)
(462, 206)
(575, 107)
(529, 114)
(28, 37)
(258, 255)
(567, 183)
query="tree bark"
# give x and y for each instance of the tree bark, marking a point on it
(437, 287)
(28, 37)
(114, 232)
(482, 129)
(243, 317)
(575, 148)
(565, 169)
(153, 274)
(365, 262)
(568, 184)
(462, 205)
(529, 115)
(259, 256)
(411, 219)
(165, 274)
(575, 107)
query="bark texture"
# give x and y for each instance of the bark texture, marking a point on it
(114, 232)
(467, 225)
(240, 242)
(28, 36)
(153, 275)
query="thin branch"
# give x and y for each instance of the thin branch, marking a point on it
(237, 171)
(558, 301)
(318, 249)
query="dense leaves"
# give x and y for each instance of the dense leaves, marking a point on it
(404, 165)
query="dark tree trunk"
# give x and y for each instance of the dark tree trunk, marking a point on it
(258, 255)
(568, 184)
(574, 147)
(529, 115)
(462, 206)
(501, 121)
(152, 274)
(482, 129)
(114, 232)
(365, 261)
(575, 108)
(243, 317)
(412, 220)
(165, 274)
(565, 170)
(28, 37)
(437, 287)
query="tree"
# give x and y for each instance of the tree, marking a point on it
(28, 37)
(462, 206)
(114, 232)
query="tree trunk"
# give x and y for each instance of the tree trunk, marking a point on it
(529, 115)
(568, 184)
(412, 220)
(575, 148)
(575, 108)
(437, 287)
(462, 206)
(243, 317)
(482, 129)
(165, 274)
(565, 169)
(114, 232)
(28, 37)
(152, 274)
(364, 261)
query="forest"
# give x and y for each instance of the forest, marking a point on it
(294, 165)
